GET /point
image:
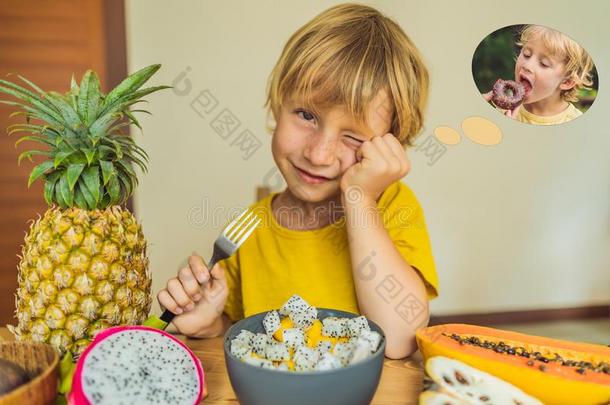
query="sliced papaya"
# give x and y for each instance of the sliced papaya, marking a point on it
(552, 370)
(471, 385)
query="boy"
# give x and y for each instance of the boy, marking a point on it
(347, 93)
(552, 67)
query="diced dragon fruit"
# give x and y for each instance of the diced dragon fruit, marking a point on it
(277, 352)
(328, 361)
(294, 337)
(362, 350)
(294, 304)
(334, 327)
(271, 322)
(245, 336)
(258, 362)
(305, 359)
(304, 318)
(240, 349)
(343, 352)
(259, 344)
(373, 338)
(357, 325)
(323, 346)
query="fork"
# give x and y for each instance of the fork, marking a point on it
(229, 240)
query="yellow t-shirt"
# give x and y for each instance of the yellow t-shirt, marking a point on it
(566, 115)
(276, 262)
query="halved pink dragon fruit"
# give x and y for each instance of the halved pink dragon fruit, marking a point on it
(137, 365)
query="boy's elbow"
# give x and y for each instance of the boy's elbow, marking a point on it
(400, 345)
(400, 349)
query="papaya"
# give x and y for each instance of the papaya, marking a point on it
(554, 371)
(459, 383)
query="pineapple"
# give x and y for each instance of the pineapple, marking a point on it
(83, 266)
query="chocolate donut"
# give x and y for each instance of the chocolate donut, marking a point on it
(507, 94)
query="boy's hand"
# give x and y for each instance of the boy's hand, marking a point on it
(381, 162)
(512, 113)
(196, 296)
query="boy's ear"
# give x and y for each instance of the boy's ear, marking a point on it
(567, 83)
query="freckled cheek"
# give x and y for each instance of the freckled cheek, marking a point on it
(288, 140)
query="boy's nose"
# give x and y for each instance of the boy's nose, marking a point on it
(321, 151)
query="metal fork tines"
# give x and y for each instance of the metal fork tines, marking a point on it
(233, 236)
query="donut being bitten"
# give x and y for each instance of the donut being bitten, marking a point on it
(508, 94)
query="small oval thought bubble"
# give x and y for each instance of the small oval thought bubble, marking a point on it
(482, 131)
(447, 135)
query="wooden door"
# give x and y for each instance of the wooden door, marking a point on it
(46, 41)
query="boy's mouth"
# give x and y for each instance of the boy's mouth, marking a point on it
(526, 82)
(310, 177)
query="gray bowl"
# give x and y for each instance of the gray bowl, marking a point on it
(352, 385)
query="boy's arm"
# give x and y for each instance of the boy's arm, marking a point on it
(377, 264)
(380, 271)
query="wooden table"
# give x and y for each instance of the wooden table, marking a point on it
(401, 380)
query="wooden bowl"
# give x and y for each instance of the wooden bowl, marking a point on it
(41, 362)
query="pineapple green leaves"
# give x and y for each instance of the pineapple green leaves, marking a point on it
(88, 158)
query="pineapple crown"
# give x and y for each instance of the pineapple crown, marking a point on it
(89, 159)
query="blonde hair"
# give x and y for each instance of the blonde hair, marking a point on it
(578, 63)
(345, 56)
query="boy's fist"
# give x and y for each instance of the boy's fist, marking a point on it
(381, 162)
(197, 296)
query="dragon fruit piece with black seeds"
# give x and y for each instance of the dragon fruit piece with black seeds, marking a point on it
(245, 336)
(294, 304)
(258, 362)
(357, 325)
(323, 347)
(334, 327)
(259, 344)
(305, 359)
(373, 338)
(343, 352)
(271, 322)
(361, 350)
(294, 337)
(136, 364)
(239, 348)
(277, 352)
(304, 318)
(328, 361)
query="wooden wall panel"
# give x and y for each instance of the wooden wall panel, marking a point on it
(46, 41)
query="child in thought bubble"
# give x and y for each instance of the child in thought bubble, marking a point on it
(347, 94)
(552, 67)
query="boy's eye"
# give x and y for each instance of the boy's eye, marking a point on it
(353, 140)
(305, 114)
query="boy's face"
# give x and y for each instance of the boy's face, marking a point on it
(542, 74)
(322, 145)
